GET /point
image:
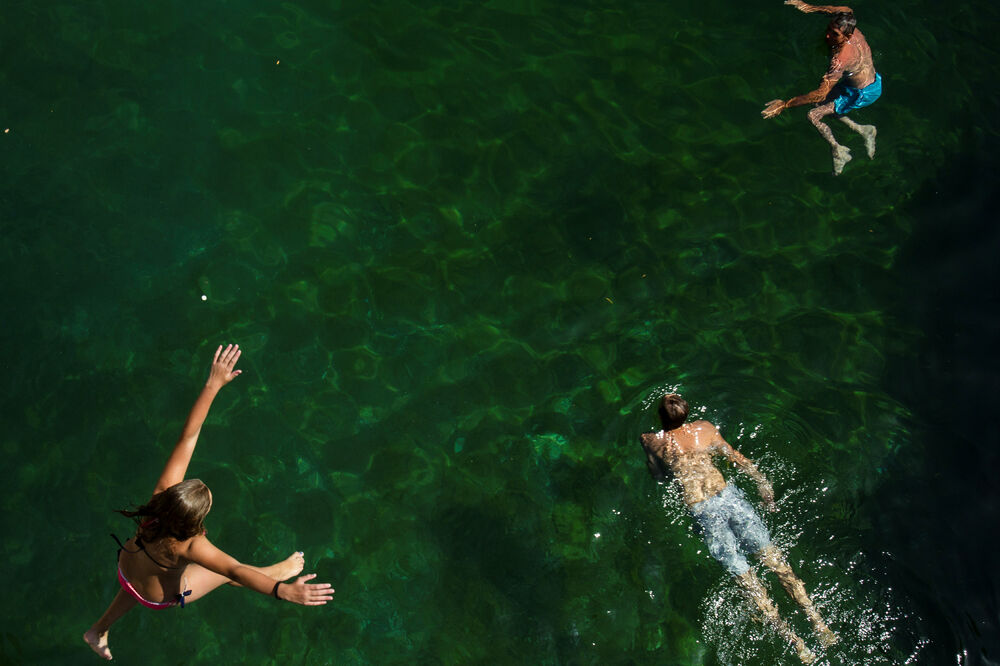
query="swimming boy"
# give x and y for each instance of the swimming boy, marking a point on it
(729, 524)
(850, 84)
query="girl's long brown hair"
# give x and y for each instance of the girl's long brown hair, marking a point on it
(178, 512)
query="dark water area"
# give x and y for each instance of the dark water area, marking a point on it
(464, 248)
(938, 516)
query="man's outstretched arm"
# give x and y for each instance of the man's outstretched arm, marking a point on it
(776, 106)
(826, 9)
(744, 463)
(656, 468)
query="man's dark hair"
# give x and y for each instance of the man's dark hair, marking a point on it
(673, 411)
(844, 23)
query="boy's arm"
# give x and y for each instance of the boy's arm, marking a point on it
(220, 374)
(826, 9)
(745, 464)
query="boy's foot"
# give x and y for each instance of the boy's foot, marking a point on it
(98, 643)
(869, 132)
(841, 156)
(291, 566)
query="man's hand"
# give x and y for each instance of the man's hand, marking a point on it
(222, 366)
(773, 108)
(801, 6)
(826, 9)
(767, 494)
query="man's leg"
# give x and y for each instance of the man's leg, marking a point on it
(97, 636)
(755, 590)
(841, 154)
(201, 581)
(866, 131)
(775, 560)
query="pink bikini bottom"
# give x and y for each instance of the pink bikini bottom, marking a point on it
(155, 605)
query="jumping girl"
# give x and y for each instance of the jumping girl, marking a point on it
(170, 562)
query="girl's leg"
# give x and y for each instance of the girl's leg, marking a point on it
(201, 581)
(97, 635)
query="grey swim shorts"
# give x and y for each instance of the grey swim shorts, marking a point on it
(731, 527)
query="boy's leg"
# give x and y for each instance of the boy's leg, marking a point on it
(841, 154)
(775, 560)
(201, 581)
(755, 590)
(97, 636)
(866, 131)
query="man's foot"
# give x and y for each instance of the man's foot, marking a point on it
(841, 156)
(805, 654)
(98, 643)
(869, 132)
(826, 637)
(292, 566)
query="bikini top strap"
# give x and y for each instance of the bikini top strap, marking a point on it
(121, 547)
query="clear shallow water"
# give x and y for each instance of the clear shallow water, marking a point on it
(463, 247)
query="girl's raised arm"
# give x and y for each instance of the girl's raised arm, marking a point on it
(222, 373)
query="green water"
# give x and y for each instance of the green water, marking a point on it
(464, 247)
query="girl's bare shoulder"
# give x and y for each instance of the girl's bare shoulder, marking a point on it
(183, 548)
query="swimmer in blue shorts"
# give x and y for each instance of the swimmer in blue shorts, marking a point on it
(850, 84)
(730, 526)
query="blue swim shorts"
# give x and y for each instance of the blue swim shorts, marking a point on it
(731, 528)
(851, 98)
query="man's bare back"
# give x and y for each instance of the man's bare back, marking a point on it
(687, 452)
(855, 61)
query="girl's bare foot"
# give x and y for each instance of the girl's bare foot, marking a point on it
(98, 643)
(292, 566)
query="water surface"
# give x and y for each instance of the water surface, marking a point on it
(464, 247)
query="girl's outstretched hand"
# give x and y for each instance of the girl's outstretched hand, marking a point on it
(222, 366)
(307, 594)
